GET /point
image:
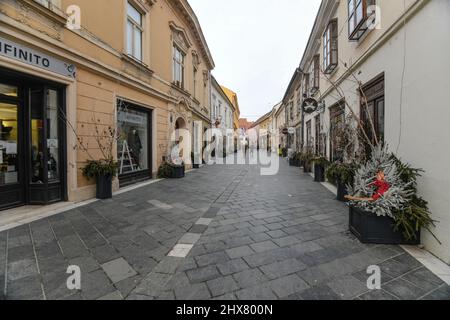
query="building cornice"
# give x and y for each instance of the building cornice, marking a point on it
(185, 9)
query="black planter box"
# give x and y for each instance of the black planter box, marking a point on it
(104, 187)
(319, 173)
(294, 163)
(178, 172)
(306, 167)
(341, 192)
(196, 166)
(369, 228)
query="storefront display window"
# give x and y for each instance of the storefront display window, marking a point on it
(52, 135)
(132, 148)
(9, 165)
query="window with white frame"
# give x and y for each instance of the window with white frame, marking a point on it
(178, 67)
(134, 32)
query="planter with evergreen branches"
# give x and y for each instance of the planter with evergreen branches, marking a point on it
(385, 207)
(103, 171)
(341, 175)
(320, 165)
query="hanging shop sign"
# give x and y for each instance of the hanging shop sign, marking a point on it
(12, 50)
(310, 105)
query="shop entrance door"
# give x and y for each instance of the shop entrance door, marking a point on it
(32, 148)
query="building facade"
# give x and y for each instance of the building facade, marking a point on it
(232, 96)
(292, 105)
(384, 56)
(76, 92)
(222, 113)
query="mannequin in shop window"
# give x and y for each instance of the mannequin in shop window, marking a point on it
(37, 165)
(135, 145)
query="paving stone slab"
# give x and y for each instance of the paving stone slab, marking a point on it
(257, 293)
(239, 252)
(118, 270)
(289, 285)
(203, 274)
(222, 286)
(263, 246)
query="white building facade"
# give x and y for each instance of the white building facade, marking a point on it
(402, 67)
(222, 113)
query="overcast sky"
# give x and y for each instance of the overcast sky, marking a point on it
(256, 45)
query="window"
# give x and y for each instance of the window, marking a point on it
(306, 85)
(133, 143)
(309, 142)
(330, 47)
(178, 67)
(357, 17)
(299, 101)
(50, 4)
(291, 110)
(195, 82)
(318, 140)
(337, 119)
(316, 74)
(374, 108)
(134, 32)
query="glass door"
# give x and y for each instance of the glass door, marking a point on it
(44, 150)
(11, 186)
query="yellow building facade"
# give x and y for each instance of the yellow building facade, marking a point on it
(117, 80)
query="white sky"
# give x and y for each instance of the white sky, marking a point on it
(256, 45)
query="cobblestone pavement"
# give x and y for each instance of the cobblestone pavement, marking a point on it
(246, 236)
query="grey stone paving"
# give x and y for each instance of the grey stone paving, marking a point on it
(237, 235)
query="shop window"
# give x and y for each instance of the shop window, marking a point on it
(133, 143)
(52, 135)
(8, 91)
(9, 164)
(134, 32)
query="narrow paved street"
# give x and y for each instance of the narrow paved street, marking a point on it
(246, 236)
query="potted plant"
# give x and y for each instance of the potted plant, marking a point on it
(320, 164)
(294, 160)
(306, 159)
(103, 171)
(169, 170)
(384, 206)
(341, 175)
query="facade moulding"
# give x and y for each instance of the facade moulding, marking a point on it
(56, 48)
